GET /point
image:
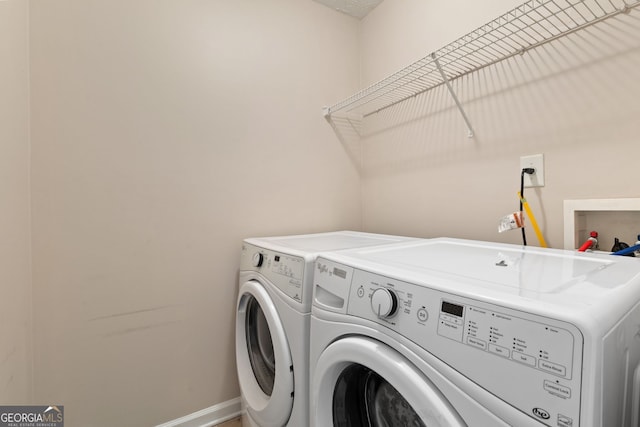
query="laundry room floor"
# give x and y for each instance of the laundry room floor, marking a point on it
(236, 422)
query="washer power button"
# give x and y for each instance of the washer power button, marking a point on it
(422, 314)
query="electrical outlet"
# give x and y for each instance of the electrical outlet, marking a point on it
(535, 161)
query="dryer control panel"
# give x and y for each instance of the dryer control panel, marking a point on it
(532, 362)
(285, 271)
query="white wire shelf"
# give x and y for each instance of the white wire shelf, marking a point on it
(531, 24)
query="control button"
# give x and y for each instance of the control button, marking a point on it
(423, 315)
(552, 368)
(451, 319)
(450, 330)
(500, 351)
(477, 343)
(384, 302)
(524, 358)
(360, 291)
(258, 258)
(557, 389)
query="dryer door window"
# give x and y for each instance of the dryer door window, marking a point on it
(263, 358)
(260, 346)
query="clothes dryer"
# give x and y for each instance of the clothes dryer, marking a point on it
(450, 332)
(272, 322)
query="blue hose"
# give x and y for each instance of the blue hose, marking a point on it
(627, 251)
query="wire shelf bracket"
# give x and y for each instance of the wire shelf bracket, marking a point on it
(526, 27)
(445, 79)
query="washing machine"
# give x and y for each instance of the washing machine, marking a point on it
(272, 322)
(449, 332)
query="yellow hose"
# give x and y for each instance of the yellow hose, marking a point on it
(532, 218)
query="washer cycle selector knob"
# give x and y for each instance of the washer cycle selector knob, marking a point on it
(384, 302)
(258, 258)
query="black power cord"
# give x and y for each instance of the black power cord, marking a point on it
(529, 171)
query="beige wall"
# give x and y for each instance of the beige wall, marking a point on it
(575, 101)
(163, 133)
(15, 264)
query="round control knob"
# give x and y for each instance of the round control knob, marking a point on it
(258, 258)
(384, 302)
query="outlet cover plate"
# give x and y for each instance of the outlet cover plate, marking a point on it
(535, 161)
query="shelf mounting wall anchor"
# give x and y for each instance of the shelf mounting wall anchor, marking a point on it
(453, 95)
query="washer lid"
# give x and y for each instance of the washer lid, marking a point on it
(332, 241)
(513, 267)
(503, 271)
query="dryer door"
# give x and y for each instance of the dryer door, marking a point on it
(361, 382)
(263, 357)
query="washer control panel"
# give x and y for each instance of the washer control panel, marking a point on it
(535, 344)
(285, 271)
(532, 362)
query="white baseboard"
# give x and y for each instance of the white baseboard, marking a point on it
(210, 416)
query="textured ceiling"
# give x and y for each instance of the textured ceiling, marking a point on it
(356, 8)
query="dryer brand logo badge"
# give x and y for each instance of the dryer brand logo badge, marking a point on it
(32, 416)
(541, 413)
(322, 268)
